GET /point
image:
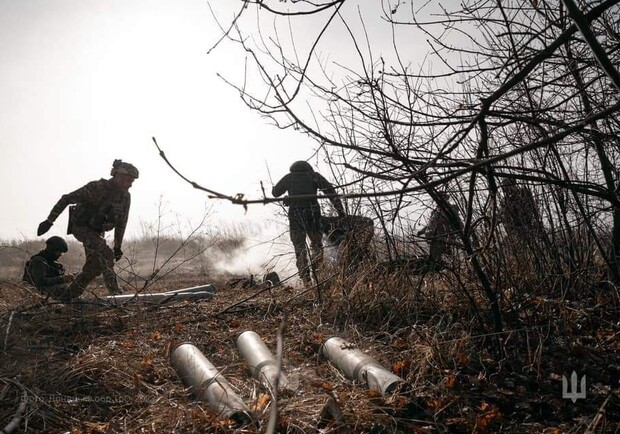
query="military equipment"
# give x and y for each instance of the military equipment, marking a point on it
(359, 366)
(241, 282)
(337, 229)
(124, 168)
(100, 217)
(57, 244)
(301, 166)
(272, 277)
(208, 384)
(259, 359)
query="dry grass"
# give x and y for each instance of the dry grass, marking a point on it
(67, 360)
(107, 371)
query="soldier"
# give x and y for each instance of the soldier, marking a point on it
(440, 233)
(519, 212)
(44, 272)
(100, 206)
(305, 213)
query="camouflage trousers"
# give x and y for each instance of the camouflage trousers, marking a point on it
(437, 249)
(59, 292)
(298, 237)
(99, 259)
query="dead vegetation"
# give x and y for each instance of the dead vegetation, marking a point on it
(106, 370)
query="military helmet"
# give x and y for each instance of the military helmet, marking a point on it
(124, 168)
(301, 166)
(508, 183)
(57, 244)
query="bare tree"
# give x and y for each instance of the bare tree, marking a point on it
(509, 89)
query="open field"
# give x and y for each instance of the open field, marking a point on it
(107, 370)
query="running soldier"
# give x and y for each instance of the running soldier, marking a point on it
(100, 206)
(44, 272)
(304, 214)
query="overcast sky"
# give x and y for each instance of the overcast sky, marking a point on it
(83, 82)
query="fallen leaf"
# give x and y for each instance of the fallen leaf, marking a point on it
(484, 420)
(451, 381)
(462, 358)
(261, 402)
(398, 367)
(372, 393)
(147, 360)
(327, 386)
(397, 401)
(434, 404)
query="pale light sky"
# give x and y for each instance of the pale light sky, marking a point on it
(83, 82)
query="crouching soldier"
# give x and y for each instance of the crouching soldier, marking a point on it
(44, 272)
(100, 206)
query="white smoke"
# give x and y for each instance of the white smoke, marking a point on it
(262, 247)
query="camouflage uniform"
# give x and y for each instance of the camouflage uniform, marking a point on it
(519, 213)
(440, 232)
(305, 213)
(48, 275)
(100, 206)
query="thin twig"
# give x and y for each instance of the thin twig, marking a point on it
(8, 328)
(599, 416)
(273, 418)
(17, 417)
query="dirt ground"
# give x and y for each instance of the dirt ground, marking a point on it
(87, 369)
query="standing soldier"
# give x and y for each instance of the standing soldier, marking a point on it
(304, 214)
(44, 272)
(100, 206)
(524, 227)
(519, 213)
(440, 232)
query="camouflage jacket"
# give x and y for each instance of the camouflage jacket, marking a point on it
(100, 206)
(519, 210)
(439, 225)
(42, 271)
(306, 183)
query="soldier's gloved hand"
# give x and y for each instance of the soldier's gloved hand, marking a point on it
(44, 226)
(118, 254)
